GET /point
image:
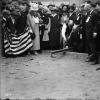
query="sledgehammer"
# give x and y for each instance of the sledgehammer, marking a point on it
(61, 50)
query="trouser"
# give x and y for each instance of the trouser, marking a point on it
(92, 49)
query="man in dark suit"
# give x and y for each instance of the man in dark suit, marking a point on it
(91, 26)
(96, 34)
(98, 24)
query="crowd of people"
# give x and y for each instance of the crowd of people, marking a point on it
(30, 27)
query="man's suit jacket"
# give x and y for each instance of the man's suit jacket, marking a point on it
(95, 20)
(89, 25)
(93, 23)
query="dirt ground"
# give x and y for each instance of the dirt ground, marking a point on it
(64, 77)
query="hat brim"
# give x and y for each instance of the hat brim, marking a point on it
(53, 9)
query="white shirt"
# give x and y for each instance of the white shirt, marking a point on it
(36, 19)
(53, 15)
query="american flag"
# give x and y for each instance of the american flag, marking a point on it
(18, 44)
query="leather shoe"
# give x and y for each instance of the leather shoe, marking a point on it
(94, 63)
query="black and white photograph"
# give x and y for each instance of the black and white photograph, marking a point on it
(49, 49)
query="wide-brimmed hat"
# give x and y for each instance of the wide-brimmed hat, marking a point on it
(39, 3)
(54, 9)
(6, 12)
(23, 2)
(34, 7)
(50, 5)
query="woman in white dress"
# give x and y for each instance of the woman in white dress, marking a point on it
(33, 21)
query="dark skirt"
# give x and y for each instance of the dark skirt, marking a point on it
(54, 39)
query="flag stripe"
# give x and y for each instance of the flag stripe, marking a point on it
(21, 50)
(15, 40)
(20, 47)
(19, 44)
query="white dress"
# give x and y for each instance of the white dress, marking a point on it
(34, 23)
(46, 32)
(36, 41)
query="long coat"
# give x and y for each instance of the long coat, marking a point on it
(35, 28)
(54, 32)
(95, 21)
